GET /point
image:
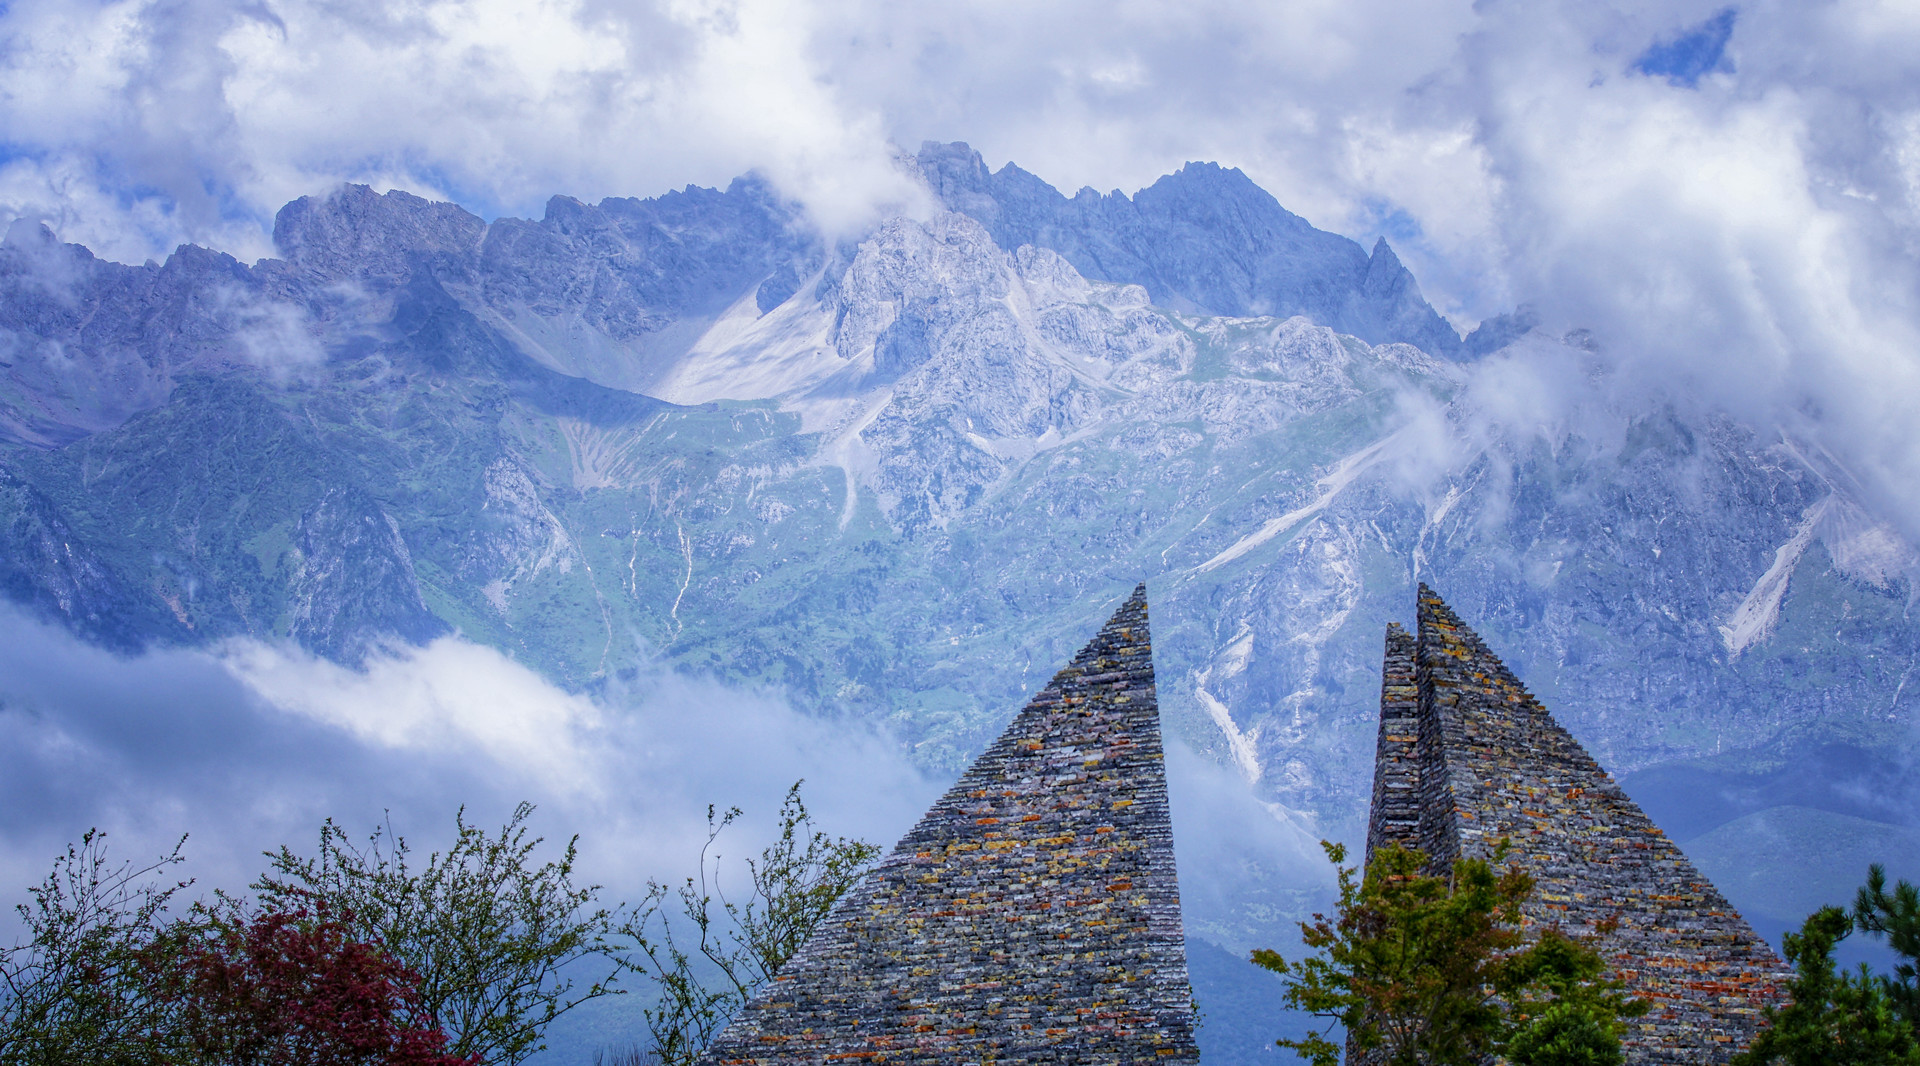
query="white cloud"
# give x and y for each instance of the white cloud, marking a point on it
(1745, 245)
(451, 695)
(276, 336)
(250, 746)
(134, 126)
(1245, 865)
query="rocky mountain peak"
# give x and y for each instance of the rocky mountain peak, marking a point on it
(29, 233)
(356, 232)
(1205, 240)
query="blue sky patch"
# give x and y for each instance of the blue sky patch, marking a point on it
(1698, 51)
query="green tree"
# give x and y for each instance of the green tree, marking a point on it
(1567, 1034)
(1567, 1011)
(725, 948)
(78, 990)
(1434, 971)
(493, 933)
(1895, 917)
(1832, 1018)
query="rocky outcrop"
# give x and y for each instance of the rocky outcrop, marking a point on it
(1205, 240)
(356, 235)
(352, 584)
(48, 570)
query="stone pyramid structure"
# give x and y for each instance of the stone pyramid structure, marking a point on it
(1468, 758)
(1033, 914)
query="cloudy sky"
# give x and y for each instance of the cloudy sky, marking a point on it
(1490, 140)
(1728, 197)
(246, 746)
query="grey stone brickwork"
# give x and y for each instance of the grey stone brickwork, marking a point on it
(1395, 814)
(1033, 914)
(1487, 764)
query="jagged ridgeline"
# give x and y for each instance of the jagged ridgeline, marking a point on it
(888, 474)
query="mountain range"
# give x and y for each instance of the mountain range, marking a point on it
(894, 475)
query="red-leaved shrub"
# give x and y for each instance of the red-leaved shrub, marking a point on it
(296, 989)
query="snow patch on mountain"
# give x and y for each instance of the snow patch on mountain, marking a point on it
(1331, 484)
(1229, 663)
(1754, 620)
(750, 355)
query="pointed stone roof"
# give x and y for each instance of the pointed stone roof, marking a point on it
(1033, 914)
(1467, 758)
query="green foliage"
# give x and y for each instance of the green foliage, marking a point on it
(357, 949)
(491, 931)
(725, 948)
(1430, 971)
(1894, 916)
(1567, 1034)
(78, 990)
(1566, 1011)
(1834, 1018)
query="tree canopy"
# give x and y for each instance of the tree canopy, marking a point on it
(1424, 970)
(363, 954)
(1833, 1017)
(491, 930)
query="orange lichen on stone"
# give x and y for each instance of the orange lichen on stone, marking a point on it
(1463, 758)
(1032, 916)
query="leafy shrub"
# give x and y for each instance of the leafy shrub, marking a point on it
(492, 932)
(727, 949)
(77, 990)
(293, 989)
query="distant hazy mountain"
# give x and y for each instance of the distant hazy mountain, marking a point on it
(898, 476)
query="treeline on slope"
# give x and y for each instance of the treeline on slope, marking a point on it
(363, 955)
(1428, 970)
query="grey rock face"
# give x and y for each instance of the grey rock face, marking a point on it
(968, 343)
(86, 343)
(1204, 240)
(648, 276)
(352, 585)
(360, 236)
(46, 568)
(517, 537)
(607, 293)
